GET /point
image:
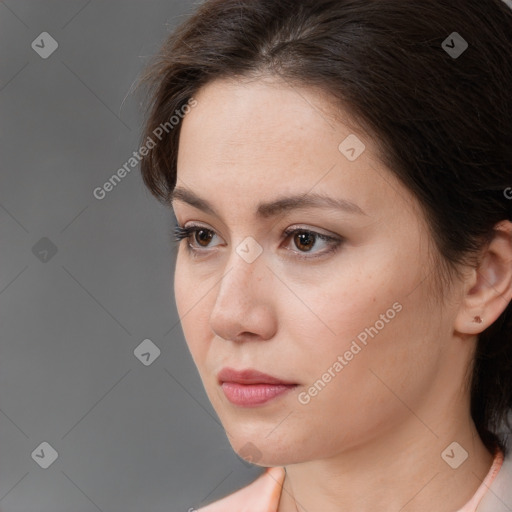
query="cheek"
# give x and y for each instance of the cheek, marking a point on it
(353, 401)
(182, 287)
(360, 299)
(376, 320)
(192, 306)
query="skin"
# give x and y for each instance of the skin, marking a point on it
(372, 438)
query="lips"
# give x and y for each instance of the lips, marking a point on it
(249, 377)
(248, 388)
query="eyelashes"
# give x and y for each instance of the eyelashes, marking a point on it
(180, 233)
(333, 243)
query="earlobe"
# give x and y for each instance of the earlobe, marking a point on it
(489, 286)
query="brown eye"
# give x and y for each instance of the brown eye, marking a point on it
(203, 235)
(304, 240)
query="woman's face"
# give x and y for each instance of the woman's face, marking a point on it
(350, 320)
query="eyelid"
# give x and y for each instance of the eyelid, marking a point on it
(315, 230)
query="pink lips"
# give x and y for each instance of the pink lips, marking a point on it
(250, 388)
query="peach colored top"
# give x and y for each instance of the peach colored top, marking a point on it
(471, 505)
(264, 493)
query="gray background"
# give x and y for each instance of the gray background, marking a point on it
(129, 437)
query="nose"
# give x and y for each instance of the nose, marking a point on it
(244, 308)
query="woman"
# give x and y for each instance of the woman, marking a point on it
(341, 172)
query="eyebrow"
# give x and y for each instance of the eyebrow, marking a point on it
(274, 207)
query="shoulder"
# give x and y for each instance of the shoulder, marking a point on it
(498, 497)
(262, 495)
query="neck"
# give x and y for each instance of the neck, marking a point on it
(400, 470)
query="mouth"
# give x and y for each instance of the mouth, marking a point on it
(249, 388)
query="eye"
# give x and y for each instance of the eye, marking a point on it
(201, 235)
(303, 239)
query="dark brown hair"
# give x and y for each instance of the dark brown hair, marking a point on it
(442, 121)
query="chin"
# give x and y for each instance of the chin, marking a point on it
(266, 456)
(257, 449)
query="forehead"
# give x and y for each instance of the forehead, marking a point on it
(259, 124)
(251, 140)
(259, 110)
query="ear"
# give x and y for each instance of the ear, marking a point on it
(488, 288)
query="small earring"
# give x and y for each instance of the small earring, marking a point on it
(477, 319)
